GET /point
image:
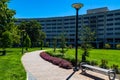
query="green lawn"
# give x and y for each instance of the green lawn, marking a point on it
(112, 56)
(11, 67)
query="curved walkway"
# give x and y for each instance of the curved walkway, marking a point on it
(39, 69)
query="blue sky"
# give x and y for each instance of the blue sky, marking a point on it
(54, 8)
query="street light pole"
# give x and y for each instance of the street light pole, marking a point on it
(77, 6)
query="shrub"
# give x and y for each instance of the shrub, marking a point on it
(115, 67)
(118, 46)
(104, 64)
(56, 61)
(65, 64)
(107, 46)
(93, 62)
(70, 46)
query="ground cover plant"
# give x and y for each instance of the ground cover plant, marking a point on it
(57, 61)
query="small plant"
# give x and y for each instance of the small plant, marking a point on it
(118, 46)
(104, 64)
(93, 62)
(70, 46)
(115, 67)
(107, 46)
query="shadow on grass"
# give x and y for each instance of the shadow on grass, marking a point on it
(91, 76)
(70, 75)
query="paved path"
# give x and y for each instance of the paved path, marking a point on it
(43, 70)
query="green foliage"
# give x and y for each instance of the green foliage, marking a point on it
(33, 29)
(118, 46)
(54, 43)
(11, 67)
(7, 25)
(70, 46)
(6, 39)
(115, 67)
(41, 44)
(93, 62)
(27, 42)
(87, 35)
(47, 44)
(95, 58)
(104, 64)
(107, 46)
(62, 42)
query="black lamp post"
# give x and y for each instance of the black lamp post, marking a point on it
(77, 6)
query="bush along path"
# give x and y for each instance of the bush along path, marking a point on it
(44, 70)
(56, 61)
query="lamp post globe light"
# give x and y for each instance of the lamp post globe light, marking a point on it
(77, 6)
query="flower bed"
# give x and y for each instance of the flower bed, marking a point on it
(56, 61)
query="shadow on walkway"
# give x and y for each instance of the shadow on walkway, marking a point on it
(70, 75)
(91, 76)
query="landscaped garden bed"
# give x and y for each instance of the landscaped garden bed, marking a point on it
(56, 61)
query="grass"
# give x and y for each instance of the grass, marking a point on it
(112, 56)
(11, 67)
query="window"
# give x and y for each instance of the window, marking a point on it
(117, 28)
(117, 18)
(72, 18)
(99, 16)
(59, 20)
(109, 33)
(109, 15)
(93, 17)
(86, 22)
(117, 23)
(117, 33)
(72, 22)
(109, 29)
(100, 33)
(111, 19)
(53, 20)
(86, 17)
(66, 23)
(100, 20)
(100, 25)
(59, 23)
(109, 24)
(66, 19)
(100, 29)
(117, 13)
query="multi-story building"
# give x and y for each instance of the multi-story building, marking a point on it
(105, 23)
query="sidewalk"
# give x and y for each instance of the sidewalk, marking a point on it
(39, 69)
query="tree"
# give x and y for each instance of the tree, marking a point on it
(7, 25)
(54, 43)
(27, 42)
(62, 42)
(41, 39)
(86, 37)
(6, 39)
(33, 29)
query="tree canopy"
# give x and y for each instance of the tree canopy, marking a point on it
(33, 29)
(7, 25)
